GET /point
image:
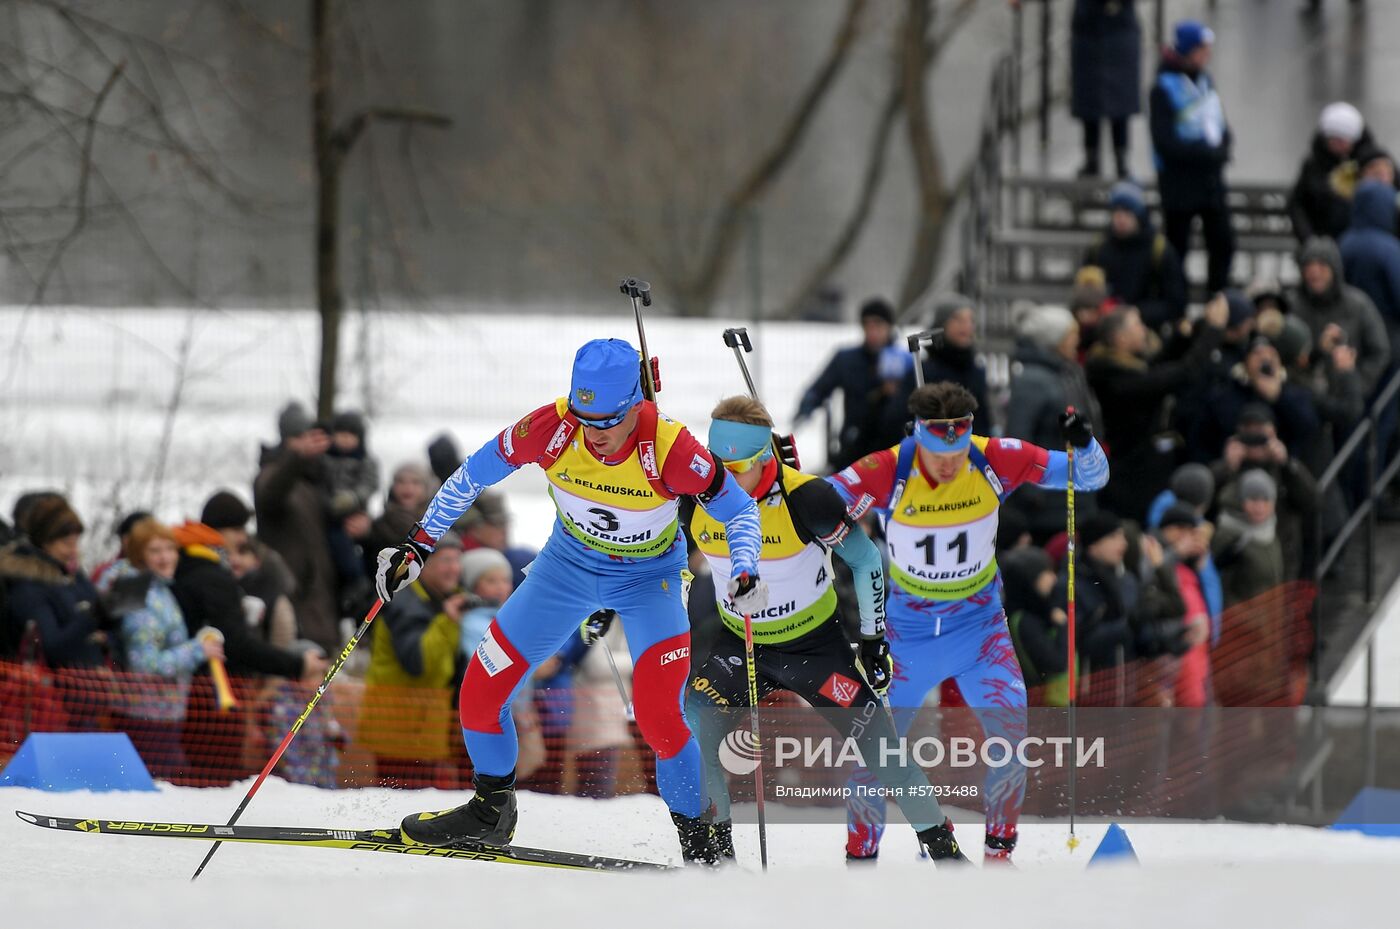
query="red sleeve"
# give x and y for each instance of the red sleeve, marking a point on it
(524, 442)
(867, 483)
(1016, 462)
(688, 468)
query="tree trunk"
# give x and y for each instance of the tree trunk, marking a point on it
(928, 164)
(724, 241)
(329, 302)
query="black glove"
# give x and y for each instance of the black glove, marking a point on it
(1075, 429)
(398, 567)
(596, 626)
(875, 661)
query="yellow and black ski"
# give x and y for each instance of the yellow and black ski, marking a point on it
(368, 840)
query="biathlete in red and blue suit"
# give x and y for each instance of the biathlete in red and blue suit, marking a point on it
(616, 467)
(942, 488)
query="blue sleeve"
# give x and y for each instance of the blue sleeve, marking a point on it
(485, 467)
(737, 510)
(1214, 593)
(142, 636)
(1090, 469)
(868, 570)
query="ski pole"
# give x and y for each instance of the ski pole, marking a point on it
(757, 740)
(296, 726)
(916, 346)
(641, 290)
(784, 445)
(1073, 840)
(617, 679)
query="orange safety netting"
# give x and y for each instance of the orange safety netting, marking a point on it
(579, 742)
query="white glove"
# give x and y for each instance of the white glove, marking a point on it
(749, 594)
(398, 567)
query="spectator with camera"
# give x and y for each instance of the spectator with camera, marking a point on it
(1339, 314)
(1261, 379)
(1133, 389)
(1256, 445)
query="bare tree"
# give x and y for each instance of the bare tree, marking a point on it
(935, 195)
(331, 145)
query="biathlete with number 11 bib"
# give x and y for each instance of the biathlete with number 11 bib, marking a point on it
(616, 468)
(942, 488)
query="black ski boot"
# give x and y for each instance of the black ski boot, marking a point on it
(697, 835)
(487, 819)
(997, 852)
(941, 845)
(724, 840)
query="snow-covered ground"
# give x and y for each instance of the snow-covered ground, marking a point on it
(1351, 689)
(1197, 875)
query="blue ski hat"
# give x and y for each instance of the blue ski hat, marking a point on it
(607, 378)
(1190, 35)
(732, 441)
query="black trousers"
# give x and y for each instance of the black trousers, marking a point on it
(821, 668)
(1219, 235)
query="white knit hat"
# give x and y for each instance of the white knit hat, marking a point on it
(1046, 326)
(1341, 120)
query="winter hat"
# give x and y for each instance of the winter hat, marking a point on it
(1258, 485)
(1372, 153)
(293, 421)
(349, 421)
(1194, 484)
(1241, 307)
(946, 306)
(607, 378)
(51, 519)
(1293, 340)
(1125, 195)
(877, 308)
(478, 562)
(225, 511)
(1046, 326)
(1254, 414)
(449, 539)
(1323, 249)
(26, 503)
(1341, 120)
(1191, 34)
(1097, 525)
(1180, 514)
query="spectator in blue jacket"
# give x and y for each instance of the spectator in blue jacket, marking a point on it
(158, 645)
(1191, 146)
(1371, 252)
(873, 384)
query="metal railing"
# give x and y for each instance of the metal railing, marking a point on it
(1363, 439)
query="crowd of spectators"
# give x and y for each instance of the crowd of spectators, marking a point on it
(266, 593)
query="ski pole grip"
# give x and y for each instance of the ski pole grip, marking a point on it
(738, 338)
(636, 289)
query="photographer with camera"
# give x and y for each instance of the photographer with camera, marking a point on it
(1255, 445)
(1261, 379)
